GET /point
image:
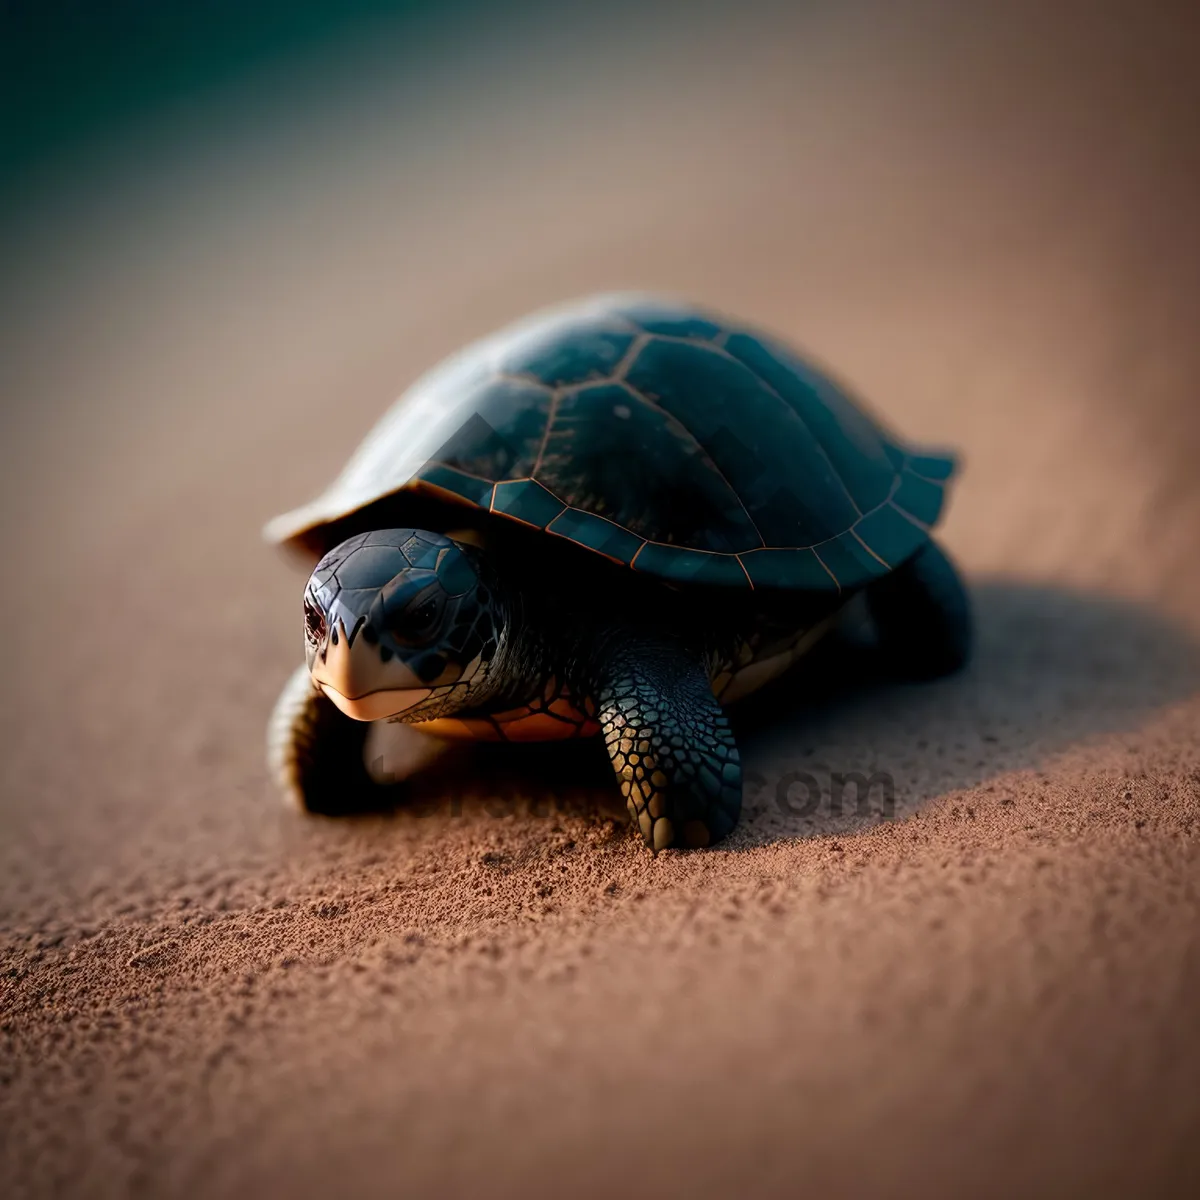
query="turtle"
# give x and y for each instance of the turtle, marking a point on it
(614, 518)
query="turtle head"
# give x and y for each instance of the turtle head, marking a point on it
(401, 623)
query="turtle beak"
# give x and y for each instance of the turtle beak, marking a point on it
(352, 674)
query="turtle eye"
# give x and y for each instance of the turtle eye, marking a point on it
(315, 628)
(416, 622)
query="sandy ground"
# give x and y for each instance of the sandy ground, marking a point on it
(989, 228)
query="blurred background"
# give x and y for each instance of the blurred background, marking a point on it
(231, 234)
(269, 219)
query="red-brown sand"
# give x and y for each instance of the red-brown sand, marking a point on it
(988, 227)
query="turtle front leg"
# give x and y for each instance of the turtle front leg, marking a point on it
(315, 754)
(671, 746)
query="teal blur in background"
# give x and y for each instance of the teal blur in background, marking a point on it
(71, 70)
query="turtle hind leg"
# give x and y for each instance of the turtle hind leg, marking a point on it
(922, 616)
(671, 746)
(316, 754)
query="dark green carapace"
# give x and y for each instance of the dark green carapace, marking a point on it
(651, 511)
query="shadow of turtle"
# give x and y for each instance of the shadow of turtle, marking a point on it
(836, 747)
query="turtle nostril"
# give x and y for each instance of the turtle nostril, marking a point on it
(333, 637)
(369, 635)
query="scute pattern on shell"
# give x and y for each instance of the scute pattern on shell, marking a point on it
(664, 438)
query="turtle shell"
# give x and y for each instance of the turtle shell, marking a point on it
(664, 437)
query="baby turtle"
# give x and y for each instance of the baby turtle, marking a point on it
(615, 517)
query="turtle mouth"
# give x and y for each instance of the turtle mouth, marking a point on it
(376, 705)
(351, 673)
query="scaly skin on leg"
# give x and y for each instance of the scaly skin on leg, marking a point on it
(923, 616)
(315, 754)
(671, 746)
